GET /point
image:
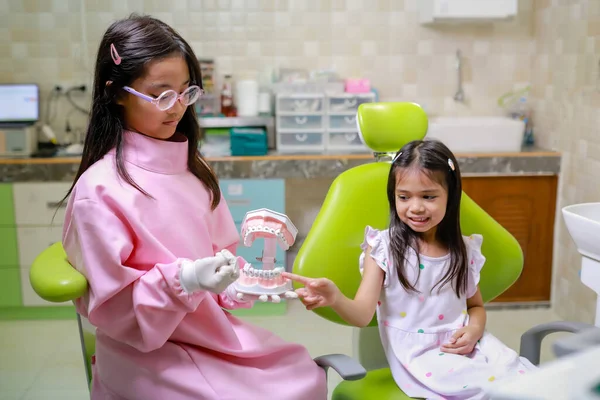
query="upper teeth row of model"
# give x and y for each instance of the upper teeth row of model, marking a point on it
(266, 229)
(259, 273)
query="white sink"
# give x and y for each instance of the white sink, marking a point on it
(583, 224)
(477, 134)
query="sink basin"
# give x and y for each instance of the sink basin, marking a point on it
(583, 224)
(477, 134)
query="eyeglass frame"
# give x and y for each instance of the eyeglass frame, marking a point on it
(155, 101)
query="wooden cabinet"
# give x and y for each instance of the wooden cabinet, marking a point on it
(525, 206)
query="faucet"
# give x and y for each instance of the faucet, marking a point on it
(459, 96)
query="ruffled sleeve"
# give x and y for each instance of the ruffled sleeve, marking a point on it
(379, 251)
(476, 261)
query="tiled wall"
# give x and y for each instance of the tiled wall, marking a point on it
(566, 90)
(553, 43)
(378, 39)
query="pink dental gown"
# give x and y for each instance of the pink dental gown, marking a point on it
(153, 340)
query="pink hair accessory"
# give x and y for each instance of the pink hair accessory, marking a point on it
(115, 56)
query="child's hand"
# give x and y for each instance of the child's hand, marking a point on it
(463, 341)
(319, 292)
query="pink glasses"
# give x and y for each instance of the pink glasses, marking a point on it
(168, 98)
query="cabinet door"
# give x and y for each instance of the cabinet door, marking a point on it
(243, 195)
(10, 281)
(36, 203)
(9, 255)
(10, 286)
(525, 206)
(35, 239)
(7, 209)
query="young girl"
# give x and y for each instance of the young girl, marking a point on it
(421, 277)
(147, 227)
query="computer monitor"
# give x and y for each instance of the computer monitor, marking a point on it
(19, 103)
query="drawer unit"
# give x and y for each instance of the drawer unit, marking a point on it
(342, 130)
(300, 104)
(347, 102)
(299, 122)
(301, 141)
(348, 140)
(342, 123)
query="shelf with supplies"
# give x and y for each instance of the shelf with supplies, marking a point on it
(267, 122)
(316, 122)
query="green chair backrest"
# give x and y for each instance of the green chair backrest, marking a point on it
(357, 198)
(54, 279)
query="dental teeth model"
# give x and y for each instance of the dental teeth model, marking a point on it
(267, 281)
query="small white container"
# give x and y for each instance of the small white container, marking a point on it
(264, 103)
(246, 97)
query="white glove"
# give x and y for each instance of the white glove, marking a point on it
(213, 274)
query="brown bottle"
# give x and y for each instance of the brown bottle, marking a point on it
(227, 106)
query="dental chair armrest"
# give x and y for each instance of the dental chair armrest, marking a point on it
(531, 340)
(586, 339)
(347, 367)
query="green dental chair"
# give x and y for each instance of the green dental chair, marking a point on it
(358, 198)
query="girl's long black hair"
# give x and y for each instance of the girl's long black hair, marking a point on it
(138, 41)
(433, 158)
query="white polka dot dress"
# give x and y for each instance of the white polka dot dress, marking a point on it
(413, 326)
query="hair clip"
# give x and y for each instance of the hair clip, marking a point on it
(396, 157)
(115, 56)
(451, 164)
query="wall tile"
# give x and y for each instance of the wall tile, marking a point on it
(554, 45)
